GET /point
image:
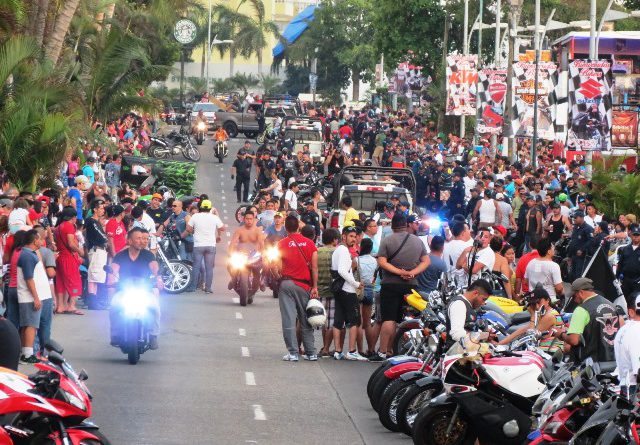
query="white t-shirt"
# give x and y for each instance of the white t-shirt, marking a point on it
(627, 350)
(205, 229)
(150, 226)
(40, 280)
(17, 219)
(341, 262)
(565, 211)
(452, 251)
(292, 198)
(546, 273)
(592, 221)
(469, 183)
(277, 191)
(485, 256)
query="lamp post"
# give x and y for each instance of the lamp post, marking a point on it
(536, 40)
(465, 51)
(210, 43)
(514, 13)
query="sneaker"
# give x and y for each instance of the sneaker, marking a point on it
(291, 358)
(153, 342)
(311, 357)
(338, 355)
(208, 291)
(356, 356)
(377, 357)
(31, 360)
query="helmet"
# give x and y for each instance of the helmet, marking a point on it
(316, 315)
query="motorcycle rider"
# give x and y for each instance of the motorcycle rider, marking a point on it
(176, 225)
(221, 135)
(133, 265)
(247, 238)
(200, 117)
(264, 166)
(461, 311)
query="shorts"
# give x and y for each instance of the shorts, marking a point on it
(392, 301)
(367, 296)
(347, 312)
(28, 316)
(329, 307)
(97, 261)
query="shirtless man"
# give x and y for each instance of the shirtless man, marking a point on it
(247, 238)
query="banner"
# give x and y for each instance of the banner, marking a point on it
(492, 89)
(523, 89)
(624, 129)
(590, 105)
(462, 76)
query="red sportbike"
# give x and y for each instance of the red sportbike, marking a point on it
(49, 407)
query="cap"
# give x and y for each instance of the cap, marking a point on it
(411, 219)
(395, 197)
(562, 197)
(398, 221)
(582, 284)
(95, 203)
(278, 214)
(117, 209)
(43, 198)
(388, 205)
(578, 214)
(206, 204)
(157, 196)
(634, 229)
(501, 229)
(6, 202)
(499, 196)
(91, 159)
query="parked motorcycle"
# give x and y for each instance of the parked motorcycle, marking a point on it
(269, 135)
(201, 130)
(49, 407)
(220, 150)
(175, 272)
(174, 143)
(245, 274)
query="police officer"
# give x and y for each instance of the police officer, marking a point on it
(628, 270)
(264, 167)
(310, 217)
(578, 244)
(456, 200)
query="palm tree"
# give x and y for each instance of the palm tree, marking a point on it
(269, 83)
(53, 46)
(197, 85)
(222, 85)
(244, 82)
(262, 29)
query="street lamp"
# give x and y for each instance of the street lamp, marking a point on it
(210, 43)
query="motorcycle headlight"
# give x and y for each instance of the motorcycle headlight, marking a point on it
(272, 254)
(135, 302)
(432, 343)
(201, 126)
(434, 223)
(74, 400)
(237, 260)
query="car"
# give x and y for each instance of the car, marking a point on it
(208, 109)
(310, 135)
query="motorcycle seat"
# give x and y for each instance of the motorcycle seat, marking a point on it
(514, 327)
(520, 317)
(607, 366)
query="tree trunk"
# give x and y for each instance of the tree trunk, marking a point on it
(355, 79)
(41, 21)
(259, 62)
(53, 47)
(232, 55)
(50, 19)
(203, 60)
(99, 20)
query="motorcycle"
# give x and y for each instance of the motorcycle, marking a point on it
(135, 304)
(201, 130)
(220, 150)
(174, 143)
(174, 272)
(245, 274)
(50, 406)
(269, 135)
(269, 272)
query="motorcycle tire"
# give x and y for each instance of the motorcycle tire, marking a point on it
(239, 212)
(102, 440)
(192, 153)
(399, 342)
(375, 375)
(176, 276)
(243, 288)
(133, 350)
(260, 139)
(410, 405)
(220, 158)
(430, 428)
(389, 402)
(159, 152)
(378, 390)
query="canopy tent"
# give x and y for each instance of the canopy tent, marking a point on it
(295, 28)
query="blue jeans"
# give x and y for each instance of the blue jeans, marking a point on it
(44, 330)
(208, 254)
(13, 312)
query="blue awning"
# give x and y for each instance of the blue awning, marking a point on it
(295, 28)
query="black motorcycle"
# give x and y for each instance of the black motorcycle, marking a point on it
(174, 143)
(220, 150)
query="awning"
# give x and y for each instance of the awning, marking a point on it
(295, 28)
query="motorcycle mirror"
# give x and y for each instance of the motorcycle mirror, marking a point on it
(557, 356)
(588, 372)
(55, 358)
(83, 376)
(52, 345)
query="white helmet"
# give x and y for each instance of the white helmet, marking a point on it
(316, 315)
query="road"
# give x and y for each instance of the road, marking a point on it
(218, 377)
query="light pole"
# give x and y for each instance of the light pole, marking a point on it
(592, 56)
(465, 51)
(210, 43)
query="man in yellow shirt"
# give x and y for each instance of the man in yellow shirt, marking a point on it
(350, 213)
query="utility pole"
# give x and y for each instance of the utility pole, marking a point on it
(496, 62)
(445, 49)
(481, 24)
(465, 51)
(592, 56)
(514, 13)
(536, 40)
(208, 44)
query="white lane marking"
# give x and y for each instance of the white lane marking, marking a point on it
(224, 197)
(245, 351)
(250, 379)
(258, 414)
(242, 332)
(236, 300)
(238, 316)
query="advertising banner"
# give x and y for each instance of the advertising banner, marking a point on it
(492, 90)
(624, 130)
(523, 89)
(590, 105)
(462, 76)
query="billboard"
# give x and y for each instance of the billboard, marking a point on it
(492, 90)
(624, 129)
(590, 105)
(462, 76)
(523, 90)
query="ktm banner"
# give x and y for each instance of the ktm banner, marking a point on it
(462, 76)
(624, 130)
(590, 105)
(492, 89)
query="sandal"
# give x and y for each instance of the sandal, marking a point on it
(75, 312)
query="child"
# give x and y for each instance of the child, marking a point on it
(19, 216)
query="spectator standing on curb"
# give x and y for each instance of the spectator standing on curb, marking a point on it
(96, 242)
(299, 282)
(367, 265)
(68, 281)
(207, 230)
(116, 231)
(330, 240)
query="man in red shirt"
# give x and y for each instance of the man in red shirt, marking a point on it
(345, 131)
(116, 231)
(299, 271)
(522, 287)
(68, 279)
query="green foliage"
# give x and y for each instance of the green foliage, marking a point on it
(222, 85)
(197, 85)
(179, 176)
(244, 82)
(270, 84)
(615, 193)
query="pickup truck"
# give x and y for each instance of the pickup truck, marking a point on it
(234, 122)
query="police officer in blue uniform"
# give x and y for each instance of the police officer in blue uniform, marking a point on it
(578, 244)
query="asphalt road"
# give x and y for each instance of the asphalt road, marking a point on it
(218, 377)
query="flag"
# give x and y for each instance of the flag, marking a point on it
(600, 272)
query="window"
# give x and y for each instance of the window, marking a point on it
(206, 107)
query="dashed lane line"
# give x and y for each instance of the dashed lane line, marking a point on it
(245, 351)
(242, 332)
(249, 379)
(238, 316)
(258, 413)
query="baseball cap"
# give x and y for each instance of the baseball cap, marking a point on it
(403, 204)
(499, 196)
(206, 204)
(395, 197)
(562, 197)
(157, 196)
(582, 284)
(634, 229)
(278, 214)
(242, 151)
(398, 221)
(6, 202)
(96, 202)
(501, 229)
(411, 219)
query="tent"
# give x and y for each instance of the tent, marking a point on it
(294, 29)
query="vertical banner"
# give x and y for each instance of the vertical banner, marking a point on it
(523, 88)
(492, 89)
(462, 76)
(590, 105)
(624, 129)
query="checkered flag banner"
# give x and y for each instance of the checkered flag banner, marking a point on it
(462, 76)
(492, 88)
(523, 89)
(590, 105)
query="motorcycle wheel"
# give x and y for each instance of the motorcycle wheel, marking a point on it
(176, 277)
(410, 405)
(192, 153)
(102, 440)
(220, 158)
(239, 211)
(378, 390)
(375, 375)
(260, 139)
(133, 350)
(159, 152)
(388, 412)
(243, 287)
(430, 428)
(399, 342)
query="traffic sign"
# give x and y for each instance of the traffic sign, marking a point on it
(185, 31)
(313, 81)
